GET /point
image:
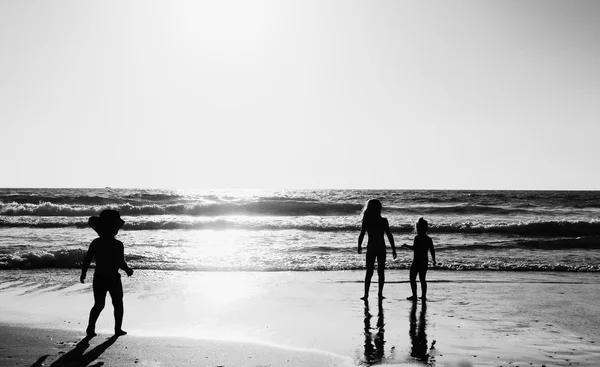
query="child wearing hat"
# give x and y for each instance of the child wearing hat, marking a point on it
(108, 253)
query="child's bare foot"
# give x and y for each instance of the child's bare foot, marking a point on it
(381, 296)
(120, 332)
(364, 298)
(411, 298)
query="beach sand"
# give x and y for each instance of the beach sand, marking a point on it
(53, 347)
(304, 319)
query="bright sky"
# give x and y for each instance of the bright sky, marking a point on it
(300, 94)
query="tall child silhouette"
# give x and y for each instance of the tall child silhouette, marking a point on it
(375, 226)
(109, 255)
(421, 246)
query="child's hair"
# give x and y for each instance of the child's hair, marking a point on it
(422, 226)
(372, 210)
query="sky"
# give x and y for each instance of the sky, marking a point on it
(300, 94)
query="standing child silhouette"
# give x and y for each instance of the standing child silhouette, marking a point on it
(421, 246)
(375, 226)
(109, 255)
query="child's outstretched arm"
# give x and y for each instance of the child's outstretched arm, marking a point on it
(432, 250)
(87, 260)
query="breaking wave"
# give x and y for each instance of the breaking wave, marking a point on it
(591, 242)
(534, 228)
(43, 259)
(73, 258)
(273, 208)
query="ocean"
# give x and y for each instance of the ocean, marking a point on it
(302, 230)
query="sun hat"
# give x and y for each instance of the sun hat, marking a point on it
(109, 221)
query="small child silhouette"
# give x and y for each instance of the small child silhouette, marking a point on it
(421, 246)
(109, 256)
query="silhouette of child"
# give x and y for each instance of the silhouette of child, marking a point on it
(422, 244)
(109, 256)
(376, 226)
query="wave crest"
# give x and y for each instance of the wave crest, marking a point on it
(532, 229)
(71, 258)
(273, 208)
(591, 242)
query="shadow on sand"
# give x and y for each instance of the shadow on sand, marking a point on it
(77, 357)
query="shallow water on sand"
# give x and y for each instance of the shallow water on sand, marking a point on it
(474, 317)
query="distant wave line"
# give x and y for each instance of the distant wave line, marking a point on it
(300, 207)
(536, 229)
(275, 208)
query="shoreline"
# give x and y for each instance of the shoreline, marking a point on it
(482, 318)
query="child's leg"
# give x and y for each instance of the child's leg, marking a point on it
(116, 294)
(413, 282)
(368, 277)
(422, 274)
(381, 271)
(99, 301)
(369, 274)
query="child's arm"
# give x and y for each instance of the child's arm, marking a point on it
(388, 232)
(409, 246)
(87, 260)
(123, 265)
(361, 237)
(432, 250)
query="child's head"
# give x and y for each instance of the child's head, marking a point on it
(107, 224)
(422, 226)
(372, 209)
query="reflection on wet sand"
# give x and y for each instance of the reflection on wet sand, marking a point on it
(374, 344)
(418, 335)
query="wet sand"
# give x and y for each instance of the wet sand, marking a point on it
(306, 319)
